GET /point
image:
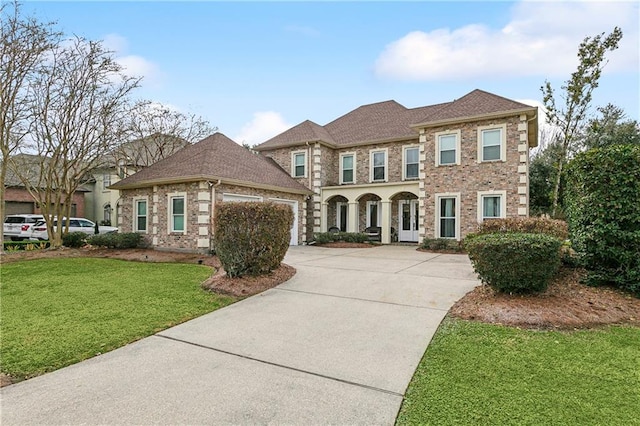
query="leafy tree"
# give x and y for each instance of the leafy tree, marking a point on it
(542, 171)
(24, 43)
(155, 132)
(79, 104)
(570, 115)
(611, 128)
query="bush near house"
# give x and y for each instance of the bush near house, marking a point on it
(126, 240)
(514, 262)
(442, 244)
(603, 193)
(530, 225)
(25, 245)
(252, 238)
(74, 239)
(348, 237)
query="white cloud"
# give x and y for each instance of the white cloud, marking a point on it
(302, 30)
(134, 65)
(541, 38)
(263, 126)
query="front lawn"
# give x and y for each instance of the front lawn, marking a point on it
(477, 374)
(56, 312)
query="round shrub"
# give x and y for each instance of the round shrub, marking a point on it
(74, 239)
(529, 225)
(603, 210)
(252, 238)
(514, 262)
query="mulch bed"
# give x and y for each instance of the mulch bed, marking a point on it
(565, 305)
(248, 286)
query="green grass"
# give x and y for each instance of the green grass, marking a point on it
(56, 312)
(480, 374)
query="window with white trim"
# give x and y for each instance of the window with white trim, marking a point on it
(106, 181)
(374, 213)
(447, 148)
(448, 216)
(347, 167)
(492, 143)
(411, 162)
(491, 205)
(299, 164)
(378, 165)
(177, 216)
(140, 216)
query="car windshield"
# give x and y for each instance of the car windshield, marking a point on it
(14, 219)
(40, 223)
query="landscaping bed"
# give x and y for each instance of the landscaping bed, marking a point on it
(566, 304)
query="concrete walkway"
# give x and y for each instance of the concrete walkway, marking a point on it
(337, 344)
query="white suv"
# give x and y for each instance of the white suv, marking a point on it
(76, 224)
(18, 226)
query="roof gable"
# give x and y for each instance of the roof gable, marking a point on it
(473, 104)
(389, 120)
(215, 157)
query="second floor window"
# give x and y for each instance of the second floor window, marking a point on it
(299, 163)
(411, 162)
(347, 168)
(447, 149)
(106, 181)
(491, 144)
(378, 166)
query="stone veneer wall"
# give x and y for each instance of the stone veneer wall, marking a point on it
(394, 160)
(198, 214)
(470, 176)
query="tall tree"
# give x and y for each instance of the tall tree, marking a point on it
(611, 127)
(155, 131)
(570, 112)
(80, 104)
(24, 44)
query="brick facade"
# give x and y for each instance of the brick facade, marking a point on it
(201, 199)
(21, 195)
(465, 180)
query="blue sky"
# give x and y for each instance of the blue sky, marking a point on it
(253, 69)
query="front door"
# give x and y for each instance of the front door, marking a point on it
(408, 220)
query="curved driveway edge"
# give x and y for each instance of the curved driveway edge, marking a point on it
(337, 344)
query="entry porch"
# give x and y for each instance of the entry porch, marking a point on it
(393, 208)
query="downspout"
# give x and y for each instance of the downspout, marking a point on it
(213, 187)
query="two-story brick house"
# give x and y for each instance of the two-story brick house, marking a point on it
(433, 171)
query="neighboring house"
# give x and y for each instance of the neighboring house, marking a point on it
(102, 202)
(433, 171)
(17, 198)
(173, 201)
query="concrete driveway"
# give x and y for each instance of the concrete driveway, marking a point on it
(337, 344)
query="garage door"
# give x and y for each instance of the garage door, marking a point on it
(17, 207)
(240, 197)
(294, 229)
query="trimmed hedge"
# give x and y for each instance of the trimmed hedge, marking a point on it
(74, 239)
(603, 210)
(25, 245)
(252, 238)
(444, 244)
(528, 225)
(126, 240)
(513, 262)
(348, 237)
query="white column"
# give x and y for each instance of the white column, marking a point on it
(352, 222)
(324, 207)
(386, 222)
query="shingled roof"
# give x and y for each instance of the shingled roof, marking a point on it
(388, 121)
(215, 158)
